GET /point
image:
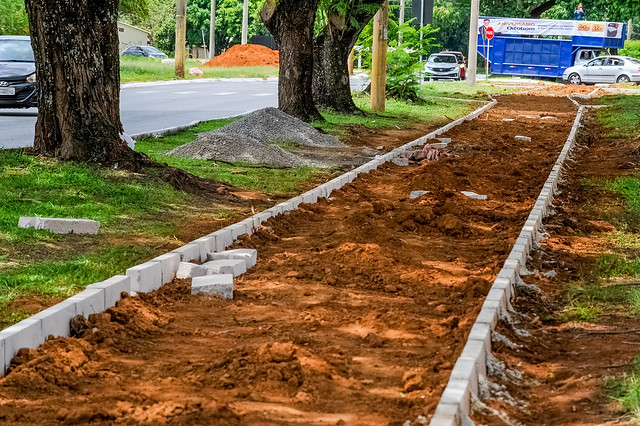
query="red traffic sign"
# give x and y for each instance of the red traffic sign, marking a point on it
(490, 33)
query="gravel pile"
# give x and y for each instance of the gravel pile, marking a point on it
(270, 125)
(235, 147)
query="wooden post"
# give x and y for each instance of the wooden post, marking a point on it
(379, 60)
(350, 61)
(245, 21)
(181, 36)
(212, 30)
(473, 43)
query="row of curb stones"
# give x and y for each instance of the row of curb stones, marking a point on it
(471, 367)
(153, 274)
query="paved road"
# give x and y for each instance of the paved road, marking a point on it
(148, 107)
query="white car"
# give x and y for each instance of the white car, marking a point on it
(605, 69)
(443, 66)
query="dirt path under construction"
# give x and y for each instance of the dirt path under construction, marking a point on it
(565, 364)
(355, 313)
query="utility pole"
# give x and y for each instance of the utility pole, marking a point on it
(245, 21)
(473, 43)
(181, 36)
(400, 21)
(379, 60)
(212, 30)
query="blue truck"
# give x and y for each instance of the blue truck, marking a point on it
(532, 48)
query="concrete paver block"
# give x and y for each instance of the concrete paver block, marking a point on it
(227, 266)
(237, 229)
(25, 334)
(147, 276)
(170, 263)
(523, 138)
(481, 332)
(250, 256)
(89, 301)
(113, 288)
(223, 238)
(206, 245)
(56, 319)
(446, 415)
(476, 350)
(457, 392)
(473, 195)
(400, 161)
(188, 252)
(310, 197)
(60, 225)
(191, 270)
(465, 369)
(220, 284)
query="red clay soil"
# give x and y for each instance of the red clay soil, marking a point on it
(355, 314)
(245, 55)
(566, 364)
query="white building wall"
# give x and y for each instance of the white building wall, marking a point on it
(130, 36)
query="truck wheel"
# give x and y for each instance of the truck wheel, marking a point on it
(574, 78)
(623, 79)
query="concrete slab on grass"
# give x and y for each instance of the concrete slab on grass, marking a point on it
(60, 225)
(221, 285)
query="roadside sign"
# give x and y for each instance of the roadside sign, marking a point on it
(490, 33)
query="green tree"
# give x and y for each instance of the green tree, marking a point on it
(13, 18)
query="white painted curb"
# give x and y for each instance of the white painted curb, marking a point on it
(471, 367)
(151, 275)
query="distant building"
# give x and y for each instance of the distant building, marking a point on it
(128, 35)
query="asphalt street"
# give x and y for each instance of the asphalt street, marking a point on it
(150, 107)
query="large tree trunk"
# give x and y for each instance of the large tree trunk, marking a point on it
(291, 23)
(331, 86)
(78, 78)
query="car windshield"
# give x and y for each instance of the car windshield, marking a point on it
(443, 59)
(150, 49)
(16, 51)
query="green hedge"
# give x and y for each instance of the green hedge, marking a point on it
(631, 48)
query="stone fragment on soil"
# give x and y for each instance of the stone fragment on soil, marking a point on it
(400, 161)
(417, 194)
(450, 224)
(473, 195)
(523, 139)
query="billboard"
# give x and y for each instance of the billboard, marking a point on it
(550, 27)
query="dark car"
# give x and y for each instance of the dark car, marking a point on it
(143, 51)
(17, 73)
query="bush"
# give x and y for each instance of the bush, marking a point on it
(631, 48)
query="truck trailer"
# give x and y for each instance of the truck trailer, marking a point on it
(545, 48)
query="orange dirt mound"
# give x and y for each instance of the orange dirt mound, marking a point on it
(245, 55)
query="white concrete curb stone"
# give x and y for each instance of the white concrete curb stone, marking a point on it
(60, 225)
(113, 289)
(221, 285)
(250, 256)
(227, 266)
(146, 277)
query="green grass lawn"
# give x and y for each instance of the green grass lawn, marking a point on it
(621, 118)
(461, 89)
(150, 69)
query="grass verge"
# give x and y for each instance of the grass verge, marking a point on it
(626, 391)
(461, 89)
(150, 69)
(621, 118)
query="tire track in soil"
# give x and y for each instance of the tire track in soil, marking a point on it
(355, 313)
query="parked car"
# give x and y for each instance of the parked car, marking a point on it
(17, 73)
(443, 66)
(604, 69)
(144, 51)
(461, 60)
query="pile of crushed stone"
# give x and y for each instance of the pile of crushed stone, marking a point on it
(270, 125)
(231, 148)
(245, 55)
(252, 139)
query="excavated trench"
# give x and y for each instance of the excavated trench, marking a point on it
(356, 312)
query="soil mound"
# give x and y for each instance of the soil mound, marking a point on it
(245, 55)
(270, 125)
(236, 147)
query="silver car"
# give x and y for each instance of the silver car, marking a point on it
(442, 66)
(604, 69)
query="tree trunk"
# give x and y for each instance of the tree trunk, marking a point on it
(331, 85)
(291, 23)
(78, 78)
